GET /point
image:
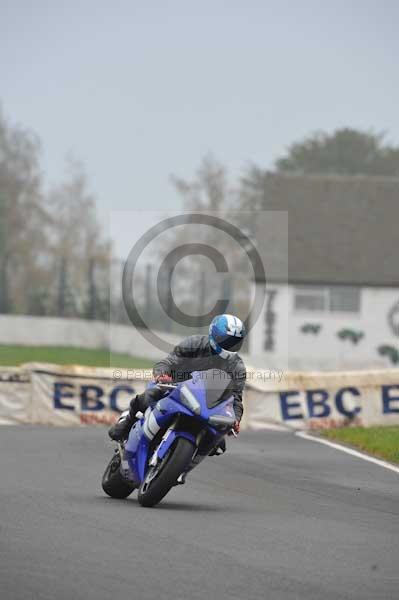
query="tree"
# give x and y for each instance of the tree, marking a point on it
(23, 216)
(200, 286)
(344, 152)
(208, 191)
(80, 253)
(3, 263)
(54, 258)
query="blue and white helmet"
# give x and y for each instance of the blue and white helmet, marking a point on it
(226, 335)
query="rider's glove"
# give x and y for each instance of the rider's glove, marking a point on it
(236, 428)
(163, 379)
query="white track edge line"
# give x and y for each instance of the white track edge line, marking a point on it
(376, 461)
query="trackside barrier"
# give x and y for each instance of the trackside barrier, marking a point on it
(67, 395)
(73, 395)
(315, 400)
(15, 395)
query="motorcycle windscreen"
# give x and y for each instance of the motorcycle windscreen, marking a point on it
(218, 386)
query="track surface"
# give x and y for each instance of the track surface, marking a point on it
(276, 517)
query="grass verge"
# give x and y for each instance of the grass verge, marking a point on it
(382, 442)
(16, 355)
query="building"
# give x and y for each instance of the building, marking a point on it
(330, 249)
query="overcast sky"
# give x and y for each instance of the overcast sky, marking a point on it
(140, 90)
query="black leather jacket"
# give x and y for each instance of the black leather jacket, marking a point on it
(196, 354)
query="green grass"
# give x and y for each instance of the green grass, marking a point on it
(382, 442)
(16, 355)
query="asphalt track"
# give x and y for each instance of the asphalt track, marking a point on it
(277, 517)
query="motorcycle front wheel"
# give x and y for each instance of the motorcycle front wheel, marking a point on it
(160, 479)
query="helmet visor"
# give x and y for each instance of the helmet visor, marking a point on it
(230, 343)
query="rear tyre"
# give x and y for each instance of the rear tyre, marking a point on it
(156, 486)
(113, 483)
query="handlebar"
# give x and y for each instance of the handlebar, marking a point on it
(170, 386)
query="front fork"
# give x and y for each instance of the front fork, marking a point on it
(196, 458)
(124, 468)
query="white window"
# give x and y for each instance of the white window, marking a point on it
(310, 298)
(345, 299)
(327, 299)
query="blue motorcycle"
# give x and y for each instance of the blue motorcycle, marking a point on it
(173, 436)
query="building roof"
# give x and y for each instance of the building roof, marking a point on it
(341, 230)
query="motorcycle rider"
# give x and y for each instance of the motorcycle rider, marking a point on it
(217, 350)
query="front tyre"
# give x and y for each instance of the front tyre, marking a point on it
(113, 483)
(158, 483)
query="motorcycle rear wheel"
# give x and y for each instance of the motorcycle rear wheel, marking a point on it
(173, 465)
(113, 483)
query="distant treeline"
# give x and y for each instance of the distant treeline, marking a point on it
(54, 258)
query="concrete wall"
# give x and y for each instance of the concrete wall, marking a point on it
(48, 331)
(296, 350)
